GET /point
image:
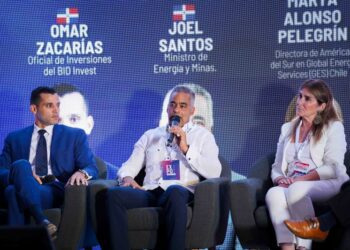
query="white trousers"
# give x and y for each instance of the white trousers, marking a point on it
(295, 203)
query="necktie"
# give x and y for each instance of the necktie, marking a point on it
(41, 155)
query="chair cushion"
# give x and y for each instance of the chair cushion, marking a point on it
(147, 218)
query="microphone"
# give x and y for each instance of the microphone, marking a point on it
(174, 121)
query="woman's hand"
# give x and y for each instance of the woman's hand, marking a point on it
(284, 181)
(287, 181)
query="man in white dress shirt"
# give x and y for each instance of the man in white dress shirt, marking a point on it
(204, 116)
(172, 171)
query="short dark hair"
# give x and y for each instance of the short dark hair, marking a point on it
(35, 95)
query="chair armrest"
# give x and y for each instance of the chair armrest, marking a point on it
(96, 188)
(210, 213)
(74, 210)
(245, 197)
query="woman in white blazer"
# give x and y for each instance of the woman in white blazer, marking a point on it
(309, 162)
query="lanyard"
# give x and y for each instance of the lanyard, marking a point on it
(299, 146)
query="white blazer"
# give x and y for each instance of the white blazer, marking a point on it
(327, 153)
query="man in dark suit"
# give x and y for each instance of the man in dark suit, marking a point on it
(38, 161)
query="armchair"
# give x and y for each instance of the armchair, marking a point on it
(249, 212)
(206, 223)
(105, 170)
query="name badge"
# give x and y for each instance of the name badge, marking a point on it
(171, 169)
(300, 168)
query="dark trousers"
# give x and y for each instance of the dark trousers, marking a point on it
(4, 176)
(340, 205)
(24, 194)
(173, 201)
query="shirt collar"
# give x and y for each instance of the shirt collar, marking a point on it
(188, 126)
(48, 129)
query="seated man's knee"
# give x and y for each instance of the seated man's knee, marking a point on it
(20, 166)
(177, 192)
(115, 194)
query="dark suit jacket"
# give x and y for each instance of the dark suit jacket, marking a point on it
(69, 151)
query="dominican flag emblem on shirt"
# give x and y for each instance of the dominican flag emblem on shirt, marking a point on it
(67, 16)
(184, 12)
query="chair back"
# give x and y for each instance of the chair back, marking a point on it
(262, 167)
(225, 168)
(101, 167)
(347, 161)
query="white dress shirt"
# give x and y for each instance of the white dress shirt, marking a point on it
(34, 144)
(150, 150)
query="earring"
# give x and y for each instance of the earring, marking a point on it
(318, 118)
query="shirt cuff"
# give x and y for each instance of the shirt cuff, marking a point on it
(87, 176)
